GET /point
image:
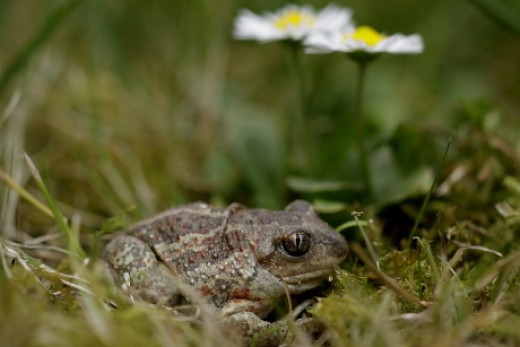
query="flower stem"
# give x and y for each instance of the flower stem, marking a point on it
(360, 129)
(298, 145)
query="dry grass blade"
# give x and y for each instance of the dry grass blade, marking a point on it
(367, 240)
(509, 264)
(10, 108)
(11, 183)
(392, 283)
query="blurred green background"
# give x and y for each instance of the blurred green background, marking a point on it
(145, 105)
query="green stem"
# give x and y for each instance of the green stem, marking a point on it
(360, 129)
(368, 241)
(298, 134)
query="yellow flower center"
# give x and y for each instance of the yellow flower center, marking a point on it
(366, 34)
(293, 18)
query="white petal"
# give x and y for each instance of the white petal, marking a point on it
(357, 45)
(412, 44)
(293, 32)
(402, 44)
(397, 44)
(333, 18)
(249, 25)
(320, 43)
(253, 27)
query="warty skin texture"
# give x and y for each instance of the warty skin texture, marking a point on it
(241, 260)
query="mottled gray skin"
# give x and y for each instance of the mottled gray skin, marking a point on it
(240, 259)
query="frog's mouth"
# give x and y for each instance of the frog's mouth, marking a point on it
(302, 282)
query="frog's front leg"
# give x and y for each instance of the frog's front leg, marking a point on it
(238, 316)
(131, 260)
(253, 330)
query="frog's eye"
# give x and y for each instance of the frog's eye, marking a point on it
(297, 243)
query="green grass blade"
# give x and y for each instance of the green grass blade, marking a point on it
(506, 16)
(430, 258)
(49, 26)
(72, 238)
(428, 196)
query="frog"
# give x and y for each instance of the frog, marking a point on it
(239, 260)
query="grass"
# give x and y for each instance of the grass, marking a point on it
(110, 113)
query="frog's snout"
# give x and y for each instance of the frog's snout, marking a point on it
(337, 246)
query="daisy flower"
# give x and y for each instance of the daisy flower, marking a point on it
(362, 44)
(363, 39)
(291, 23)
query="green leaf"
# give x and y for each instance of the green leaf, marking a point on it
(258, 154)
(352, 224)
(308, 185)
(328, 206)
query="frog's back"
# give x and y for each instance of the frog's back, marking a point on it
(195, 242)
(175, 224)
(187, 238)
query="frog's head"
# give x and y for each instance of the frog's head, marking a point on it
(298, 247)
